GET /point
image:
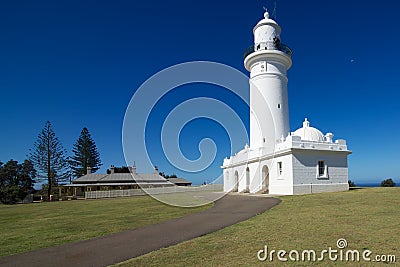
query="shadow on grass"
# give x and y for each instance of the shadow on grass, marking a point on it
(358, 188)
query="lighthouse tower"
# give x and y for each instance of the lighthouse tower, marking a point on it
(268, 61)
(278, 161)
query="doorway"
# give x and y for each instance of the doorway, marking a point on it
(236, 182)
(247, 180)
(265, 180)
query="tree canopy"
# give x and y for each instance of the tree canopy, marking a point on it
(168, 176)
(122, 169)
(16, 180)
(85, 154)
(388, 183)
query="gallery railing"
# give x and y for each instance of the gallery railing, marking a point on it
(268, 46)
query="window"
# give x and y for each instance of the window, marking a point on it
(321, 168)
(280, 168)
(279, 105)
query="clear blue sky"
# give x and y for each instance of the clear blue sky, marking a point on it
(78, 63)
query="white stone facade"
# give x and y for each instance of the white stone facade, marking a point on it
(279, 161)
(292, 169)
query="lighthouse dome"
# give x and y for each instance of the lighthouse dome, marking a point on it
(308, 133)
(267, 21)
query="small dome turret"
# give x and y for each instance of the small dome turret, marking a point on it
(308, 133)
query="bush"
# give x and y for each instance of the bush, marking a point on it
(388, 183)
(9, 195)
(16, 181)
(351, 184)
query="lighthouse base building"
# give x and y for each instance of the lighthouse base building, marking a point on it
(305, 162)
(279, 161)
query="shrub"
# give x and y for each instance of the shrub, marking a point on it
(351, 183)
(388, 183)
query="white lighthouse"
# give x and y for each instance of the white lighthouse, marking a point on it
(279, 161)
(268, 64)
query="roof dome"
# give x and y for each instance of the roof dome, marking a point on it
(267, 21)
(308, 133)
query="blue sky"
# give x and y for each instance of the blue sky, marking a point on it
(78, 63)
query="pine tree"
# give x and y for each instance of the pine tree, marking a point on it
(49, 158)
(85, 154)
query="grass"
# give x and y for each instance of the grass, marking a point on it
(32, 226)
(366, 218)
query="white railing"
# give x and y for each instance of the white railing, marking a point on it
(152, 191)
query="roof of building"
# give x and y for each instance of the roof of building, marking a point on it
(150, 177)
(308, 133)
(179, 181)
(90, 178)
(120, 177)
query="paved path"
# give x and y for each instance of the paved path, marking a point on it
(122, 246)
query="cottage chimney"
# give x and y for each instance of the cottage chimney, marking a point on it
(88, 170)
(134, 167)
(112, 169)
(155, 169)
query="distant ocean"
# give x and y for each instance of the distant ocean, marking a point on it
(378, 184)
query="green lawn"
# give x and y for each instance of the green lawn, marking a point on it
(366, 218)
(31, 226)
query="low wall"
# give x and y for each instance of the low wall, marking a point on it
(152, 191)
(319, 188)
